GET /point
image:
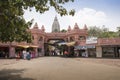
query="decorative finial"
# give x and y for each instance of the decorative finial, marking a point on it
(36, 26)
(42, 28)
(76, 26)
(69, 28)
(85, 27)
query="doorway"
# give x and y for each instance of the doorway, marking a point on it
(52, 47)
(4, 52)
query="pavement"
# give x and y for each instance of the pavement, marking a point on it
(60, 68)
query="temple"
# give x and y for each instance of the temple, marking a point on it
(73, 40)
(55, 25)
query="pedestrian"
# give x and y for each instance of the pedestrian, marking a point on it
(28, 57)
(65, 53)
(24, 54)
(17, 56)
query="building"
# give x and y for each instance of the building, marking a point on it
(74, 40)
(42, 38)
(108, 47)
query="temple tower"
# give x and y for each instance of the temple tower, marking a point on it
(55, 25)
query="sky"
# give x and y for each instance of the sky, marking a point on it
(90, 12)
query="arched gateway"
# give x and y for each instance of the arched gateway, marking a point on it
(42, 39)
(73, 40)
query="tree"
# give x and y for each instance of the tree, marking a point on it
(101, 32)
(94, 31)
(118, 31)
(13, 27)
(63, 30)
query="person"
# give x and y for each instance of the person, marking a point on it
(119, 52)
(20, 54)
(24, 54)
(28, 57)
(76, 54)
(60, 52)
(86, 54)
(66, 53)
(6, 55)
(83, 54)
(33, 54)
(17, 56)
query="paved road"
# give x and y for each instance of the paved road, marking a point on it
(57, 68)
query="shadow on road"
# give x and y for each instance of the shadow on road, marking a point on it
(12, 74)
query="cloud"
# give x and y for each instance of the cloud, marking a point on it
(90, 17)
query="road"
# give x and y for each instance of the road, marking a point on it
(58, 68)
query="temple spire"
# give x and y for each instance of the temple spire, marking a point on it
(55, 25)
(85, 27)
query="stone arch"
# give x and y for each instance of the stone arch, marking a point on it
(51, 45)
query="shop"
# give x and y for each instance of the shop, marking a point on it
(80, 51)
(4, 52)
(91, 46)
(31, 48)
(111, 51)
(91, 50)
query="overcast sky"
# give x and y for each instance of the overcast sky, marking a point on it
(89, 12)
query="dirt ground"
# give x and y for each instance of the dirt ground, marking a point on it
(60, 68)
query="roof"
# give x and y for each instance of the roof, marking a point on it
(109, 41)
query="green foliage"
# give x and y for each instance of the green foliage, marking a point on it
(118, 31)
(94, 31)
(109, 34)
(40, 5)
(13, 27)
(60, 9)
(63, 30)
(101, 32)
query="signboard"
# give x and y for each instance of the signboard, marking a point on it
(92, 40)
(84, 47)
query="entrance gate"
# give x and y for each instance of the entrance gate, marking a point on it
(52, 47)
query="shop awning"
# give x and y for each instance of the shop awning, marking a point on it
(27, 46)
(67, 43)
(62, 43)
(23, 46)
(33, 46)
(70, 43)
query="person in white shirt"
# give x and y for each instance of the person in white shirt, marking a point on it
(24, 54)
